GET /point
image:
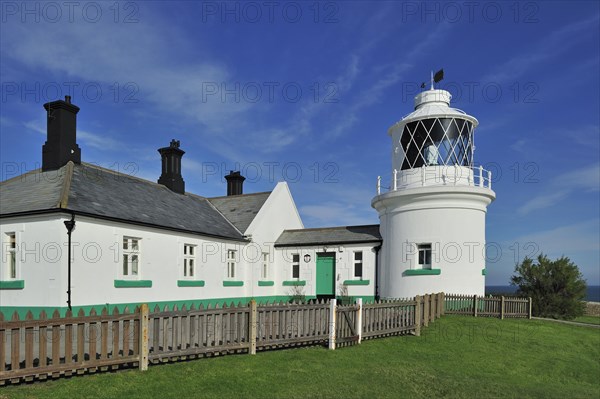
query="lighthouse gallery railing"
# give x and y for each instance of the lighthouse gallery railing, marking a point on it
(428, 176)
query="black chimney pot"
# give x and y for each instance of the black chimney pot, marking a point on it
(171, 167)
(61, 143)
(235, 183)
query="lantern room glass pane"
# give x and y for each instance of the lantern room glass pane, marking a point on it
(437, 141)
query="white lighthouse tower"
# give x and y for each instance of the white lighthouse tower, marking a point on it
(432, 213)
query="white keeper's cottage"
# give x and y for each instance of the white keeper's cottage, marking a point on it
(134, 241)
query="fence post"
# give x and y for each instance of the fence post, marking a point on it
(359, 319)
(442, 304)
(418, 315)
(529, 311)
(253, 326)
(474, 305)
(332, 327)
(502, 307)
(426, 311)
(144, 337)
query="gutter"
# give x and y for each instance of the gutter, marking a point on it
(112, 219)
(321, 243)
(70, 225)
(377, 249)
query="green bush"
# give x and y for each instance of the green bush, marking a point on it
(557, 288)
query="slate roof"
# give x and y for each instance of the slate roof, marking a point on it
(240, 210)
(329, 235)
(95, 191)
(32, 191)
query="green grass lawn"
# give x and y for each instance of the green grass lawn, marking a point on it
(456, 357)
(588, 319)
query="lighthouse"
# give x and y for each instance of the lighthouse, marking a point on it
(432, 206)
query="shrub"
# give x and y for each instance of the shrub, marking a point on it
(556, 288)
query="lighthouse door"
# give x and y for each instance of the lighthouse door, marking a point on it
(326, 274)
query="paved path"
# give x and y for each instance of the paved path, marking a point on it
(575, 323)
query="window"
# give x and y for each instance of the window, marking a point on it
(265, 265)
(437, 141)
(295, 266)
(10, 246)
(189, 260)
(358, 265)
(131, 257)
(231, 263)
(424, 256)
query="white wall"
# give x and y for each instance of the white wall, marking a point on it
(344, 267)
(41, 249)
(97, 263)
(97, 260)
(452, 220)
(278, 213)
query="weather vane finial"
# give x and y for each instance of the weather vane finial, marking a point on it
(439, 75)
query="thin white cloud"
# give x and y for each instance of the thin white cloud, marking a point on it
(333, 214)
(98, 141)
(138, 53)
(548, 48)
(587, 178)
(587, 136)
(581, 236)
(35, 126)
(519, 145)
(579, 241)
(542, 201)
(562, 186)
(392, 74)
(94, 140)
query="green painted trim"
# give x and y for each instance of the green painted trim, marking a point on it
(36, 310)
(351, 299)
(483, 272)
(133, 283)
(367, 298)
(190, 283)
(357, 282)
(265, 283)
(294, 283)
(229, 283)
(422, 272)
(12, 285)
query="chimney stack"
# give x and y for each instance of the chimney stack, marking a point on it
(235, 183)
(61, 143)
(171, 167)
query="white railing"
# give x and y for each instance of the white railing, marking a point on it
(428, 176)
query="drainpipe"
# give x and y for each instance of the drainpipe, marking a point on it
(70, 225)
(377, 249)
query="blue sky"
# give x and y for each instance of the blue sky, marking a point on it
(305, 92)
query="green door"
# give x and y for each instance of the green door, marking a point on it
(325, 274)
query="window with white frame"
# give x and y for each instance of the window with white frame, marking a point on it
(424, 256)
(10, 256)
(131, 257)
(295, 266)
(231, 263)
(189, 261)
(265, 265)
(358, 264)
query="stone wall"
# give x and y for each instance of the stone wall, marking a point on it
(592, 308)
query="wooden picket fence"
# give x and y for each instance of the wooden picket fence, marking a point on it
(480, 306)
(62, 346)
(51, 347)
